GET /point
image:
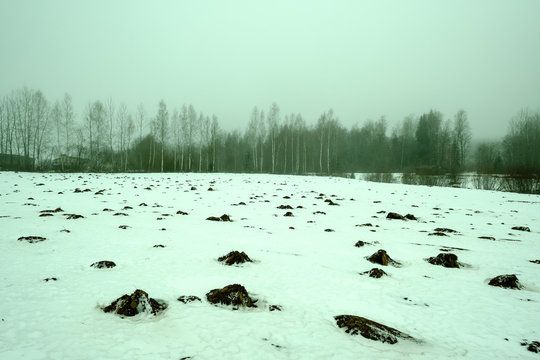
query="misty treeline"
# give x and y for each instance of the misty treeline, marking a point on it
(38, 134)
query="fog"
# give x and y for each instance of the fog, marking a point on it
(363, 59)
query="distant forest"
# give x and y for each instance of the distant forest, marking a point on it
(37, 134)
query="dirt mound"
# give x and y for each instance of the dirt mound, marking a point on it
(52, 211)
(445, 230)
(285, 207)
(136, 303)
(533, 346)
(235, 257)
(235, 295)
(370, 329)
(32, 239)
(288, 213)
(521, 228)
(410, 217)
(395, 216)
(448, 260)
(223, 217)
(103, 264)
(375, 273)
(187, 299)
(506, 281)
(382, 258)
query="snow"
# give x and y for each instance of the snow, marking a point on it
(312, 274)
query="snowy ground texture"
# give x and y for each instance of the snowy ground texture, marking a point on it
(312, 274)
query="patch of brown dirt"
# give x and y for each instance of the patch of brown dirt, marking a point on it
(370, 329)
(136, 303)
(235, 257)
(235, 295)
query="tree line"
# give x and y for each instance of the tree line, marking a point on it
(41, 135)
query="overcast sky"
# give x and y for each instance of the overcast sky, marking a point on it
(364, 59)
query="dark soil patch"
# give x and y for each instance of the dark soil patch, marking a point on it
(120, 214)
(395, 216)
(77, 190)
(437, 233)
(506, 281)
(533, 346)
(73, 216)
(329, 230)
(180, 212)
(382, 258)
(52, 211)
(487, 238)
(319, 212)
(136, 303)
(535, 261)
(448, 260)
(235, 295)
(103, 264)
(410, 217)
(143, 204)
(187, 299)
(32, 239)
(235, 257)
(285, 207)
(159, 246)
(45, 215)
(521, 228)
(370, 329)
(288, 213)
(274, 307)
(223, 217)
(361, 243)
(123, 227)
(107, 209)
(445, 230)
(366, 224)
(375, 273)
(50, 279)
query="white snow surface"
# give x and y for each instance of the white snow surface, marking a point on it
(312, 274)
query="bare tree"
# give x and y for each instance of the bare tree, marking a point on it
(162, 123)
(214, 132)
(122, 121)
(184, 125)
(94, 120)
(251, 135)
(261, 135)
(176, 130)
(273, 127)
(56, 117)
(322, 125)
(141, 119)
(462, 137)
(68, 119)
(109, 115)
(190, 132)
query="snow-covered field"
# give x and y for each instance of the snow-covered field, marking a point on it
(312, 274)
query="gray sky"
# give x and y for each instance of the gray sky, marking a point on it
(364, 59)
